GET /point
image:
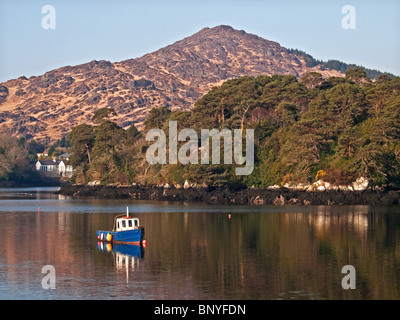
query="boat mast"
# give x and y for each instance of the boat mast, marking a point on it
(127, 211)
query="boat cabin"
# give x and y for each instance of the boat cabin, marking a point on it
(126, 223)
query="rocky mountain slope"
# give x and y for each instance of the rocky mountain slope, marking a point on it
(47, 107)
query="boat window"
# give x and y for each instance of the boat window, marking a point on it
(123, 224)
(118, 227)
(136, 223)
(130, 223)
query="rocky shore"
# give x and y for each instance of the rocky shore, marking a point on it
(225, 195)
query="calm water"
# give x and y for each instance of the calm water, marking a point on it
(196, 251)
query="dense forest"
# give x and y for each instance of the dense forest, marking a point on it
(337, 129)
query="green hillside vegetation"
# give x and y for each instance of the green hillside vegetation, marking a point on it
(336, 128)
(14, 163)
(336, 65)
(15, 166)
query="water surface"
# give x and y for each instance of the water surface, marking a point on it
(196, 251)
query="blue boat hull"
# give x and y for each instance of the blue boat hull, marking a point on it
(130, 236)
(133, 250)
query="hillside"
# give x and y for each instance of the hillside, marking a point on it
(47, 107)
(333, 132)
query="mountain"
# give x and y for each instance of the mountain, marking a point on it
(47, 107)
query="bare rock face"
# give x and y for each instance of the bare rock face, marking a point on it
(175, 76)
(3, 93)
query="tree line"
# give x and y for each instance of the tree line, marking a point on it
(336, 65)
(340, 128)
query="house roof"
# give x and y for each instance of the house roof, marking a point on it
(65, 155)
(49, 162)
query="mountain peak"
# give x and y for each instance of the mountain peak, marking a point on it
(220, 30)
(223, 27)
(48, 106)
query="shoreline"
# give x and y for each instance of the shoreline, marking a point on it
(226, 195)
(18, 184)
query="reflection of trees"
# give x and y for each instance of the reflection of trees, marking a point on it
(279, 255)
(207, 255)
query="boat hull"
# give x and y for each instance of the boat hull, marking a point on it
(132, 250)
(129, 236)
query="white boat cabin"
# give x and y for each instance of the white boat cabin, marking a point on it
(127, 223)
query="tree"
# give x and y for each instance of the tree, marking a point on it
(288, 113)
(103, 114)
(132, 131)
(358, 76)
(311, 79)
(82, 139)
(347, 104)
(14, 164)
(157, 118)
(108, 136)
(383, 78)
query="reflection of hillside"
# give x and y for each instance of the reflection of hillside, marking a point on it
(263, 256)
(207, 255)
(32, 240)
(40, 235)
(328, 222)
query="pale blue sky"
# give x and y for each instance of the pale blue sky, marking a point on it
(121, 29)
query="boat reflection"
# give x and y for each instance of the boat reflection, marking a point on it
(130, 250)
(126, 256)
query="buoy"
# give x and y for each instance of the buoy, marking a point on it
(229, 216)
(109, 237)
(38, 209)
(144, 243)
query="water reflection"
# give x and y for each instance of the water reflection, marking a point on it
(128, 250)
(29, 193)
(126, 256)
(200, 252)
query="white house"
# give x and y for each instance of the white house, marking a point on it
(62, 167)
(53, 166)
(47, 165)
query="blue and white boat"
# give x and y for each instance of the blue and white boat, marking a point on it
(125, 230)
